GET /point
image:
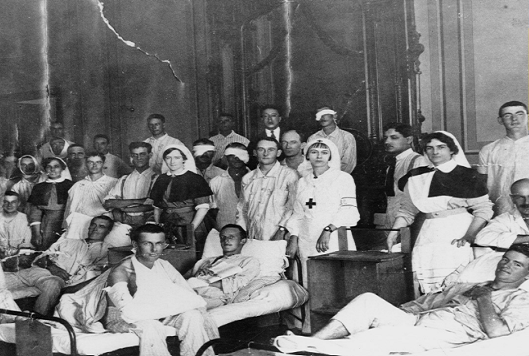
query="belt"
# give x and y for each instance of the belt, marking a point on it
(445, 213)
(185, 209)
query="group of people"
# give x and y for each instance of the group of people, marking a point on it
(276, 185)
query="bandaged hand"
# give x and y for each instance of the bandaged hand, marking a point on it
(114, 323)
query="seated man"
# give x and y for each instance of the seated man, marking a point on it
(66, 262)
(14, 227)
(128, 199)
(510, 227)
(143, 289)
(31, 174)
(463, 313)
(219, 291)
(203, 152)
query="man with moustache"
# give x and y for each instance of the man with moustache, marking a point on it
(76, 162)
(146, 293)
(293, 143)
(129, 198)
(398, 139)
(505, 160)
(344, 140)
(510, 227)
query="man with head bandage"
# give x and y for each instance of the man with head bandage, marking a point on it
(203, 152)
(344, 140)
(227, 187)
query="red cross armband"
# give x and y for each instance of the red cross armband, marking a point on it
(348, 201)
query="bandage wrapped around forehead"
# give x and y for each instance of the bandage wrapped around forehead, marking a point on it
(199, 150)
(239, 153)
(319, 114)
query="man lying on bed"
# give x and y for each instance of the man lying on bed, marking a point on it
(219, 279)
(146, 293)
(461, 314)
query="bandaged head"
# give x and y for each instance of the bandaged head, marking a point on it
(240, 153)
(320, 113)
(199, 150)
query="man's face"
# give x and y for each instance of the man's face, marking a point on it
(230, 239)
(140, 157)
(205, 158)
(76, 153)
(271, 118)
(520, 198)
(57, 145)
(27, 166)
(101, 145)
(94, 165)
(234, 162)
(513, 118)
(327, 120)
(57, 130)
(225, 124)
(149, 247)
(513, 267)
(291, 144)
(156, 127)
(98, 229)
(11, 204)
(395, 142)
(267, 152)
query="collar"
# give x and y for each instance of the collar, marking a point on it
(148, 171)
(275, 131)
(53, 181)
(271, 173)
(176, 174)
(159, 138)
(90, 178)
(447, 167)
(228, 135)
(404, 154)
(332, 134)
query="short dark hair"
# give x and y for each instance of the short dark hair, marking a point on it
(156, 116)
(266, 138)
(511, 103)
(271, 106)
(521, 248)
(102, 136)
(106, 218)
(146, 229)
(302, 135)
(139, 144)
(236, 145)
(242, 232)
(443, 138)
(11, 193)
(169, 150)
(48, 160)
(318, 144)
(402, 128)
(96, 154)
(76, 145)
(203, 141)
(225, 114)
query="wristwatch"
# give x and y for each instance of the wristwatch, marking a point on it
(281, 228)
(328, 228)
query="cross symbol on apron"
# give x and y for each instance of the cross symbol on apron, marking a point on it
(310, 203)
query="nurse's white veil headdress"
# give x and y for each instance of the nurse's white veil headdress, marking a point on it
(334, 162)
(460, 157)
(189, 163)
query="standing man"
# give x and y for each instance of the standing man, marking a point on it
(226, 124)
(158, 140)
(60, 145)
(271, 118)
(144, 289)
(398, 138)
(129, 197)
(87, 195)
(292, 143)
(203, 152)
(114, 166)
(344, 140)
(505, 161)
(226, 188)
(267, 194)
(76, 162)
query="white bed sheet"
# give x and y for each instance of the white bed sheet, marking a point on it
(276, 297)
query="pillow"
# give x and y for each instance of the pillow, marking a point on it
(77, 228)
(271, 255)
(212, 247)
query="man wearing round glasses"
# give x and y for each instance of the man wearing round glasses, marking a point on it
(504, 161)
